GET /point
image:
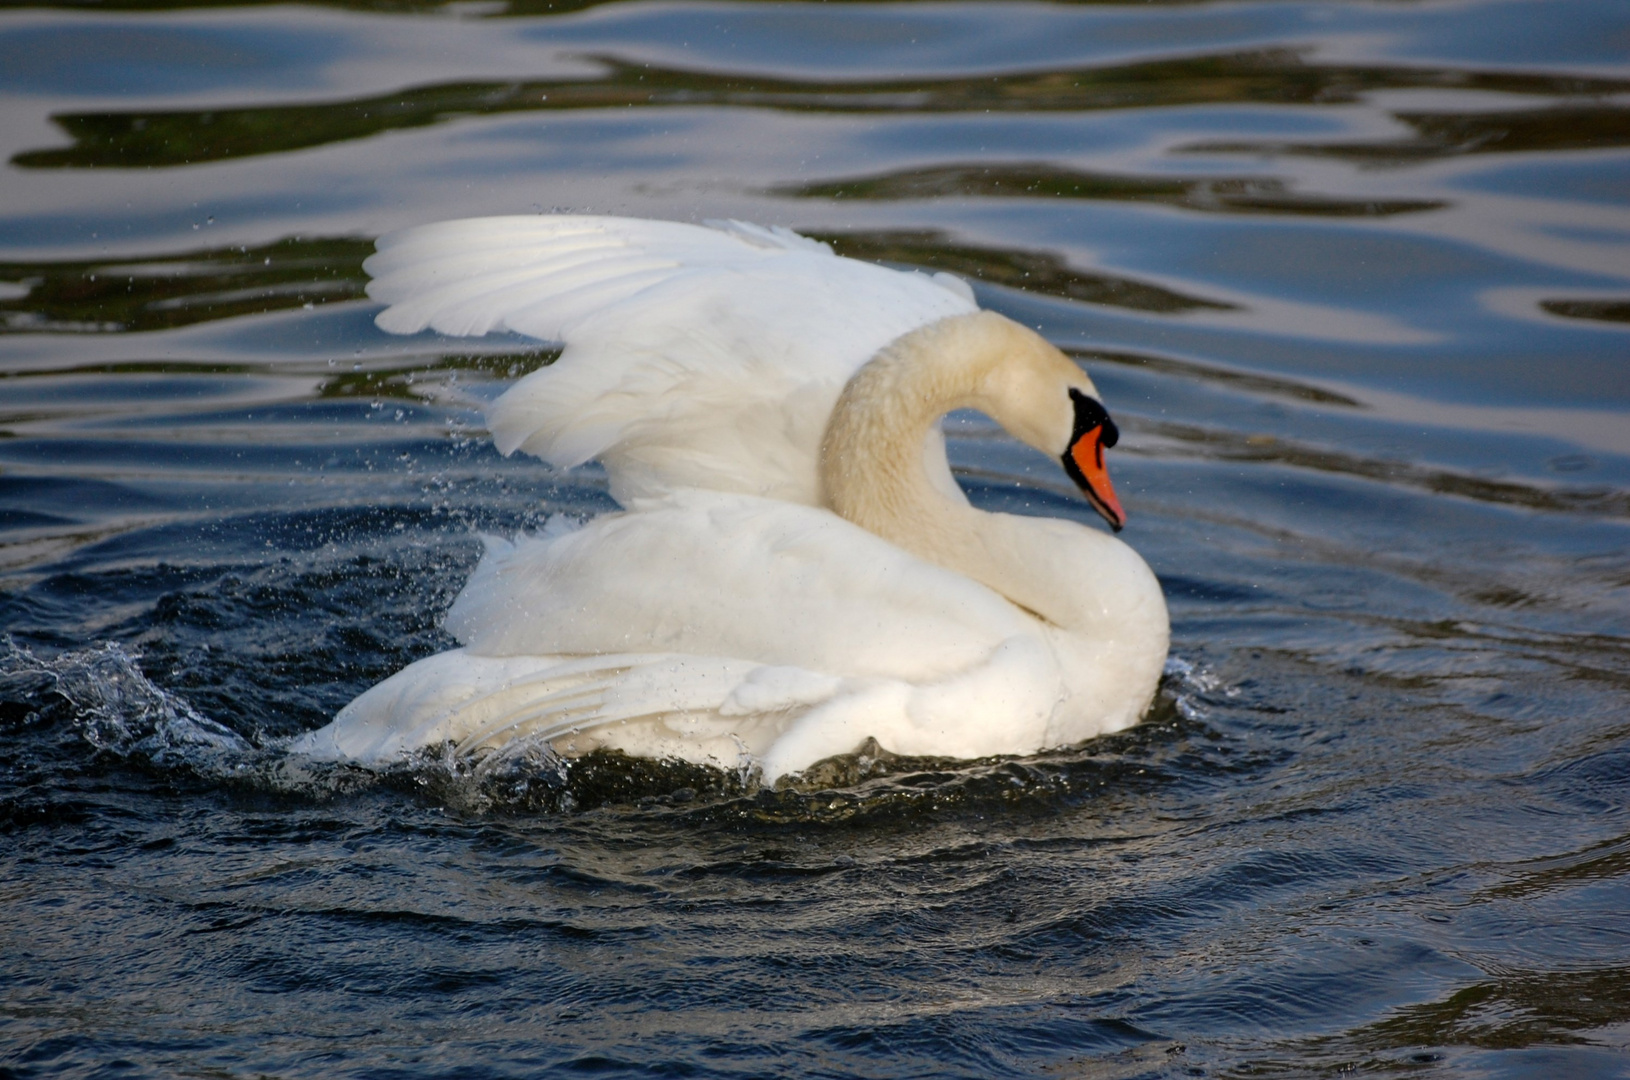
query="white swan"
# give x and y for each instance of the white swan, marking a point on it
(796, 570)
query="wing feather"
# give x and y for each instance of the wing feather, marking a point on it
(694, 356)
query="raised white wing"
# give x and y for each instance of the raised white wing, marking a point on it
(695, 356)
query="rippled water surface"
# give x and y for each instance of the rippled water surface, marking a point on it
(1354, 279)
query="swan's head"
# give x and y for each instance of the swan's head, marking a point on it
(1042, 398)
(1083, 458)
(982, 361)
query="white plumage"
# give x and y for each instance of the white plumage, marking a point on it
(729, 610)
(694, 357)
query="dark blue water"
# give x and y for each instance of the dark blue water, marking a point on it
(1354, 279)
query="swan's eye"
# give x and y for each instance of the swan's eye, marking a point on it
(1090, 413)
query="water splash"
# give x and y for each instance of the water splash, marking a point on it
(118, 709)
(1186, 683)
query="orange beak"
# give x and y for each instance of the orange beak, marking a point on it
(1086, 454)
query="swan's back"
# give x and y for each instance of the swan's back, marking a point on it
(694, 356)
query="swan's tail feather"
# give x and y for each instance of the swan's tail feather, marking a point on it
(547, 717)
(481, 703)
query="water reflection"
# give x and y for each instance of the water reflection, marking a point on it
(171, 290)
(1596, 126)
(146, 139)
(1609, 310)
(1236, 195)
(1037, 271)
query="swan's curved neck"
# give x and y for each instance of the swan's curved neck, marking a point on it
(873, 466)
